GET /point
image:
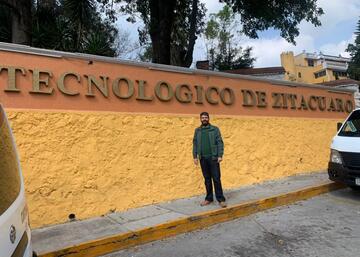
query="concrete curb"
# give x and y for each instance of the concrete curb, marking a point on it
(194, 222)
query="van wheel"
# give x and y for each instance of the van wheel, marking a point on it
(355, 188)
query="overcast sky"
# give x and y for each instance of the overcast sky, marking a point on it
(337, 31)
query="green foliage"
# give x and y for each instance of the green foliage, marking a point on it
(181, 32)
(74, 26)
(146, 54)
(212, 28)
(180, 37)
(98, 44)
(79, 11)
(50, 28)
(284, 15)
(67, 25)
(254, 16)
(173, 25)
(5, 24)
(354, 50)
(221, 39)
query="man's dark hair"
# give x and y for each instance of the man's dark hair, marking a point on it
(205, 114)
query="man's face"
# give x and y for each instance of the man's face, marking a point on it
(204, 120)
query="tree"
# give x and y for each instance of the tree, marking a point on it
(255, 16)
(189, 23)
(171, 25)
(67, 25)
(221, 36)
(50, 29)
(284, 15)
(20, 14)
(169, 21)
(354, 50)
(5, 21)
(80, 13)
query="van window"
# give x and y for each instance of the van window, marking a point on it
(9, 170)
(351, 127)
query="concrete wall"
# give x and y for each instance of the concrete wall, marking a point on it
(90, 163)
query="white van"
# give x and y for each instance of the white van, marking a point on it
(14, 223)
(344, 164)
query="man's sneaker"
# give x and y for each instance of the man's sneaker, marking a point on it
(206, 202)
(222, 204)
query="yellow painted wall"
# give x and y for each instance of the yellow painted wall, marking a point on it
(90, 163)
(288, 63)
(297, 64)
(307, 74)
(300, 60)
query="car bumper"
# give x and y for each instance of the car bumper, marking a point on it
(338, 172)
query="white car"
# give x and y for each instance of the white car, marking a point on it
(15, 236)
(344, 164)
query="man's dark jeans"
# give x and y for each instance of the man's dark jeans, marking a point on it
(211, 172)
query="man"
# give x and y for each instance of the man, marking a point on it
(208, 147)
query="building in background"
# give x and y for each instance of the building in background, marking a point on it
(346, 84)
(314, 68)
(322, 69)
(309, 68)
(267, 72)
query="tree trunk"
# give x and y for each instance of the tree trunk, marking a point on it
(21, 20)
(192, 34)
(79, 36)
(49, 4)
(161, 25)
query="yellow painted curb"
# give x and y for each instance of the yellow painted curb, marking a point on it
(197, 221)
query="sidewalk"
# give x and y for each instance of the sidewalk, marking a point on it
(58, 237)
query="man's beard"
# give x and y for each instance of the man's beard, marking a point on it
(205, 123)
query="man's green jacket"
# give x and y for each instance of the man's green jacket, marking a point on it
(216, 142)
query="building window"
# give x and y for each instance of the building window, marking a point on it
(299, 74)
(320, 74)
(338, 74)
(311, 63)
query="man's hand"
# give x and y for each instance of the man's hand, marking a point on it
(219, 159)
(196, 162)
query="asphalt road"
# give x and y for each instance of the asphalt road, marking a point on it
(327, 225)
